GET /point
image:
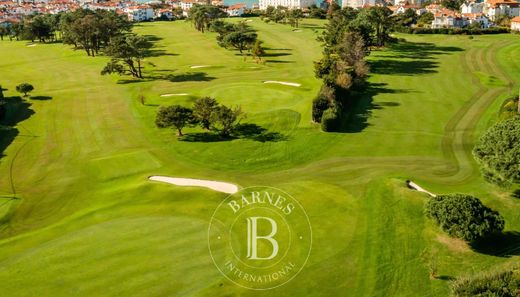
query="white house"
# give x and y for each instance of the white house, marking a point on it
(187, 4)
(472, 7)
(164, 13)
(359, 3)
(442, 20)
(236, 10)
(515, 24)
(291, 4)
(140, 13)
(479, 18)
(494, 8)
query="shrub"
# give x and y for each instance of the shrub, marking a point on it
(498, 152)
(331, 120)
(322, 102)
(464, 216)
(502, 283)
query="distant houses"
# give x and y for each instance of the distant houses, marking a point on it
(236, 10)
(291, 4)
(140, 13)
(515, 24)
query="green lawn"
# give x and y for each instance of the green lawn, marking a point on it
(89, 223)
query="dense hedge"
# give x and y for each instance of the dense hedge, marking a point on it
(454, 31)
(464, 216)
(502, 283)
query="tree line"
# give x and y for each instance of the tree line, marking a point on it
(347, 40)
(95, 32)
(237, 36)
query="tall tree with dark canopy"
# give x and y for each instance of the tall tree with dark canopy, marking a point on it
(225, 119)
(174, 116)
(203, 15)
(24, 88)
(127, 53)
(202, 110)
(241, 38)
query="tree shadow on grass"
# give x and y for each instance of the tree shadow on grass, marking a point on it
(13, 111)
(242, 131)
(420, 50)
(40, 97)
(399, 67)
(168, 75)
(419, 58)
(505, 245)
(445, 277)
(360, 111)
(188, 76)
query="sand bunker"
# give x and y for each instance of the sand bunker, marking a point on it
(416, 187)
(32, 44)
(282, 83)
(178, 94)
(199, 66)
(189, 182)
(296, 30)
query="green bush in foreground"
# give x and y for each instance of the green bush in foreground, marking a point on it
(498, 152)
(503, 283)
(464, 216)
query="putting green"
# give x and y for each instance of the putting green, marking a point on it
(89, 223)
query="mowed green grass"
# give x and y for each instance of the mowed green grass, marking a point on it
(89, 223)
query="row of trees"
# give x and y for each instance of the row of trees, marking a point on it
(284, 15)
(86, 29)
(206, 112)
(92, 30)
(347, 39)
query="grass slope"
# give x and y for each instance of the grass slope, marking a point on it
(88, 222)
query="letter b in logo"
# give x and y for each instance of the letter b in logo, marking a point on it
(253, 237)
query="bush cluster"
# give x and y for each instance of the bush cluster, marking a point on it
(464, 216)
(498, 153)
(503, 283)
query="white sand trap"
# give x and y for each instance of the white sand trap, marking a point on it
(199, 66)
(178, 94)
(190, 182)
(282, 83)
(297, 30)
(29, 45)
(416, 187)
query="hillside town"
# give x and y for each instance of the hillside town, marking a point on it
(485, 14)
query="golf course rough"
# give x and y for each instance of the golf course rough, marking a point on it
(260, 238)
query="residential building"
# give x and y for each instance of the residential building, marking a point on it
(359, 3)
(472, 7)
(236, 10)
(448, 20)
(515, 24)
(140, 13)
(494, 8)
(291, 4)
